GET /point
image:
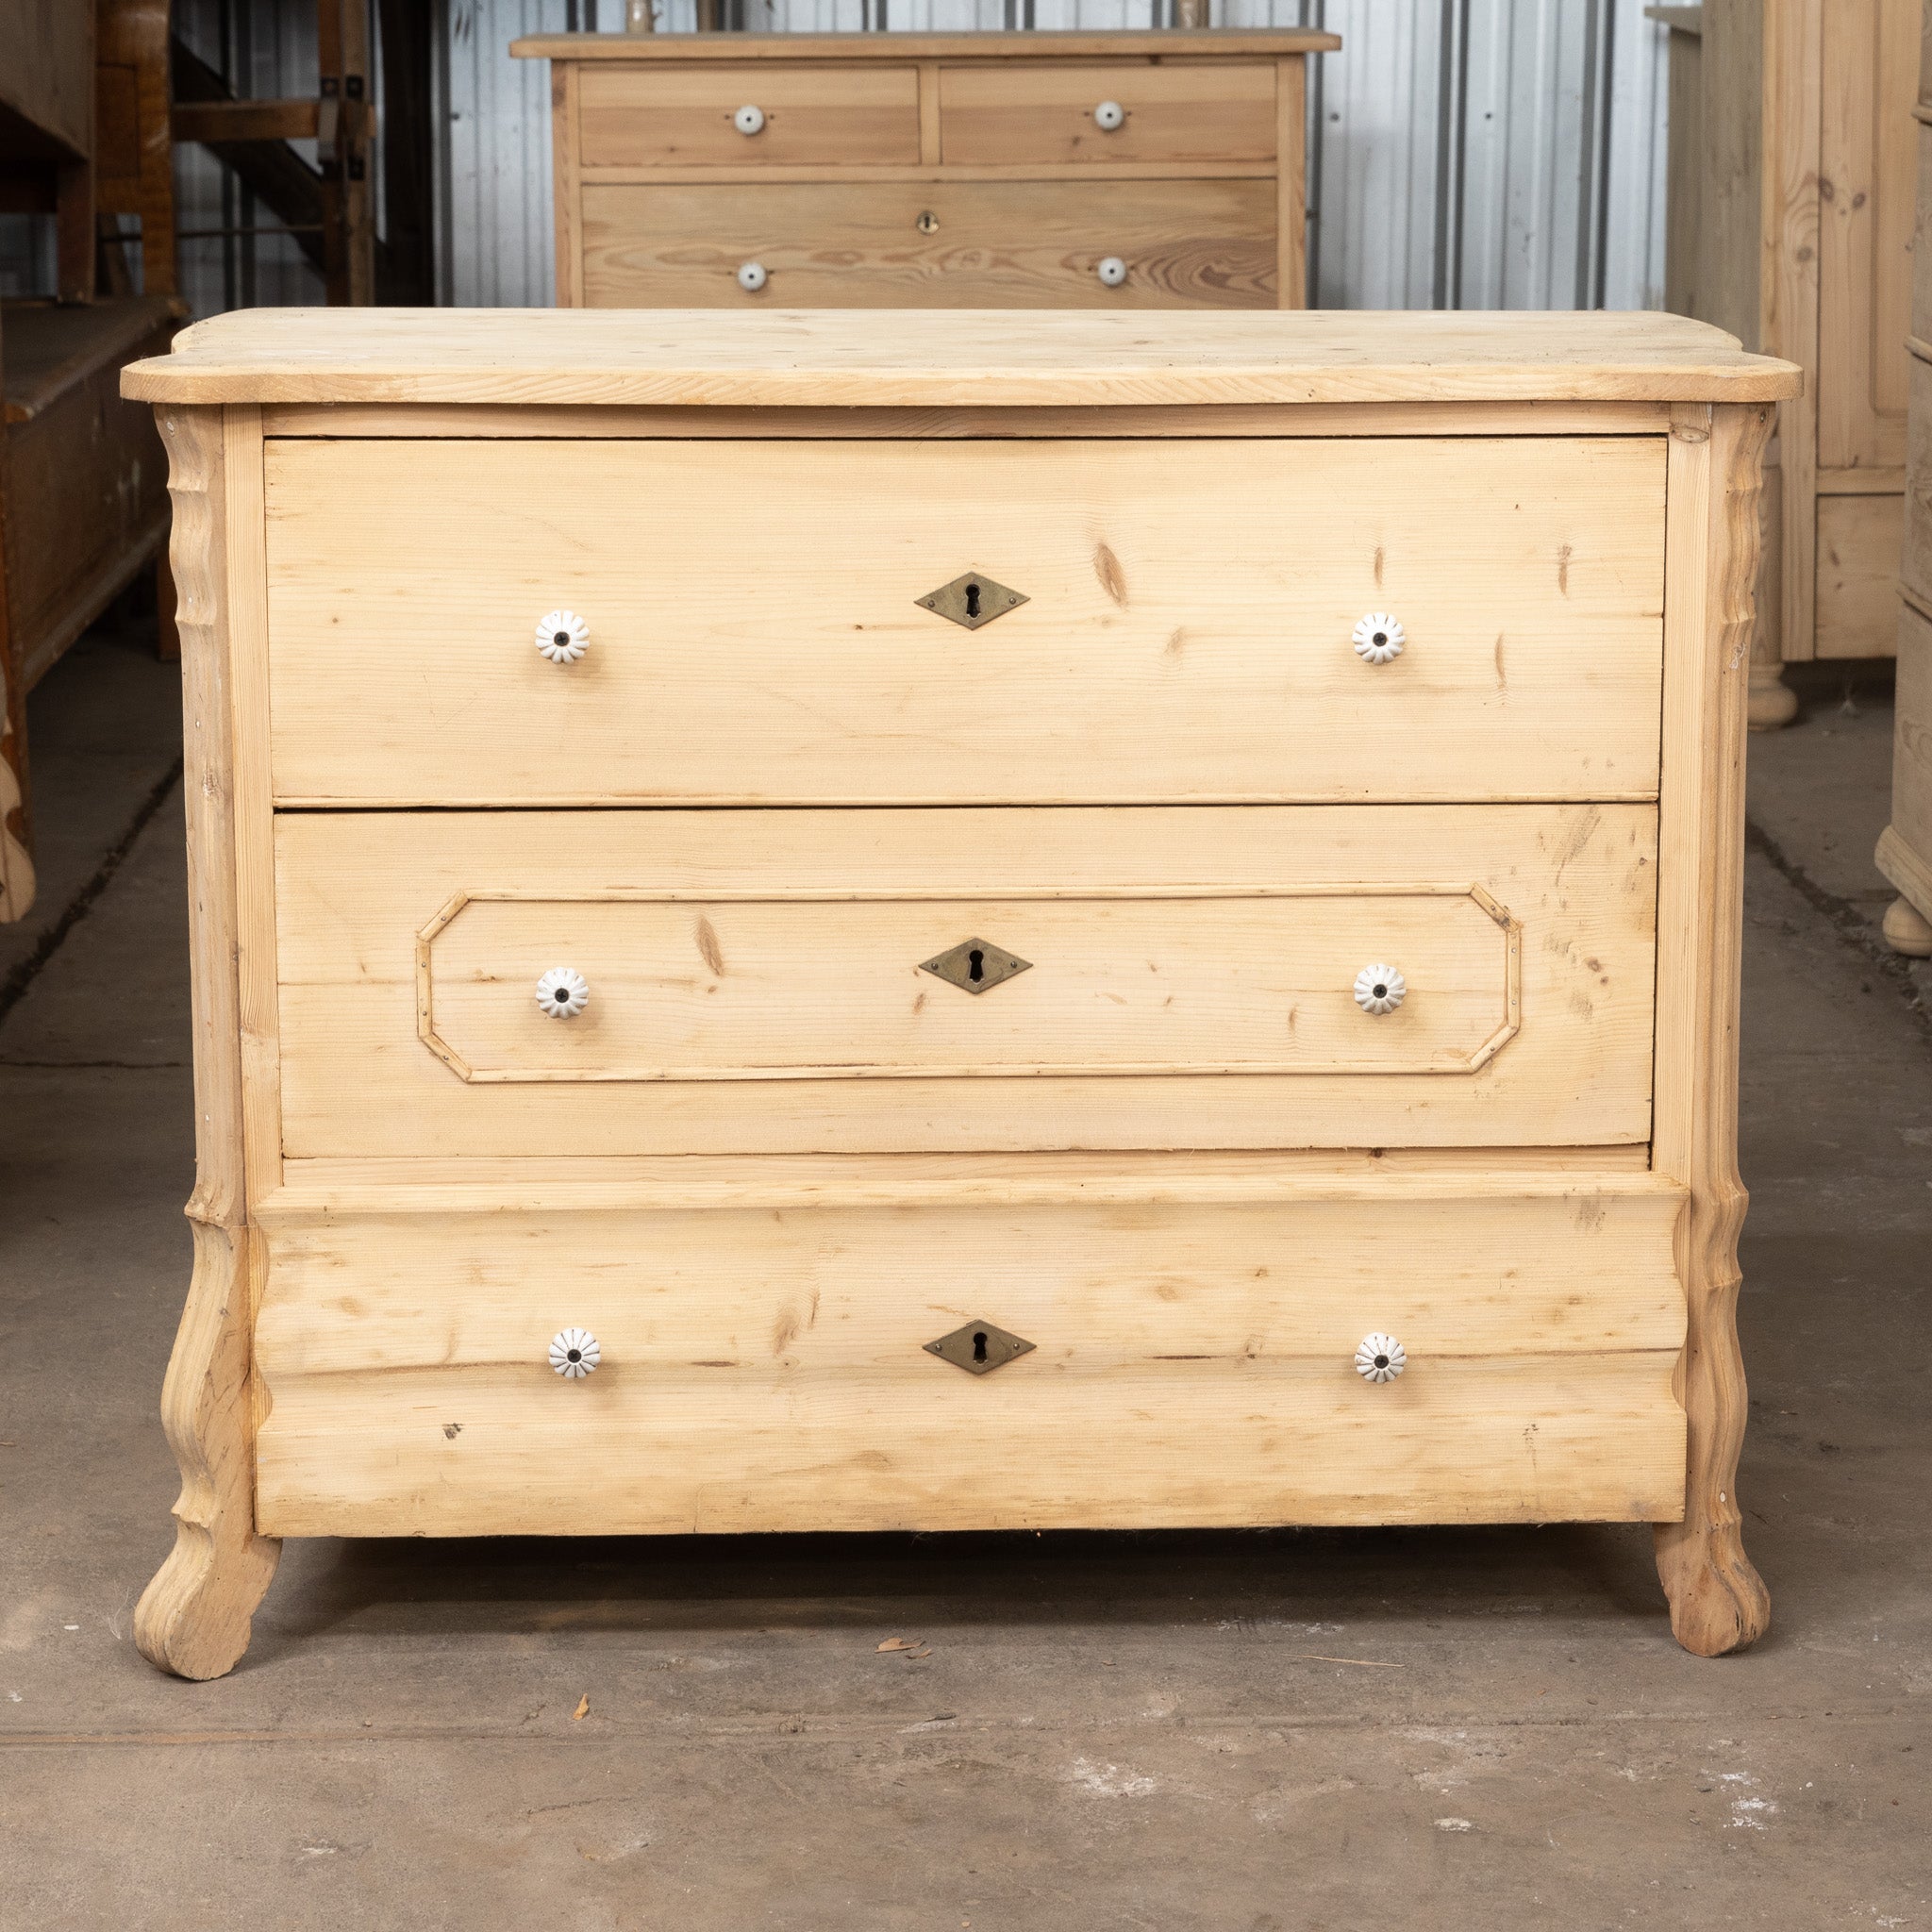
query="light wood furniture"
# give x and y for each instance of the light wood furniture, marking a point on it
(1790, 196)
(1905, 848)
(1069, 895)
(953, 171)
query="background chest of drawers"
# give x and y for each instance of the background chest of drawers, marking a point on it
(949, 171)
(1083, 923)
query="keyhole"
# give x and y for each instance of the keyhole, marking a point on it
(972, 610)
(979, 1344)
(975, 970)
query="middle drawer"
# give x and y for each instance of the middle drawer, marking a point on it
(754, 632)
(858, 981)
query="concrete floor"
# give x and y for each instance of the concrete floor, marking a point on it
(1405, 1729)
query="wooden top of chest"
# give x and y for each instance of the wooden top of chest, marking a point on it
(735, 49)
(957, 358)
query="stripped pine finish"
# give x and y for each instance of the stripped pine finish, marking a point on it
(1200, 1347)
(848, 359)
(1191, 603)
(194, 1617)
(1718, 1601)
(1242, 979)
(1341, 991)
(1111, 966)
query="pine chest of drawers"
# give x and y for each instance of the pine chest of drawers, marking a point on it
(942, 922)
(953, 171)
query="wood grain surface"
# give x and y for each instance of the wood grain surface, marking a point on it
(356, 890)
(1005, 245)
(1029, 112)
(1718, 1601)
(756, 634)
(682, 115)
(1193, 1363)
(194, 1617)
(942, 359)
(1176, 981)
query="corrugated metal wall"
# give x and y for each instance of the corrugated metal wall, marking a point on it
(1472, 154)
(1461, 153)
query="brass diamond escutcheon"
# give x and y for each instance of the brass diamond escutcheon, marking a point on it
(976, 965)
(971, 600)
(979, 1348)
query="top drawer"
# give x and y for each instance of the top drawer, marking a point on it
(745, 117)
(756, 634)
(1120, 111)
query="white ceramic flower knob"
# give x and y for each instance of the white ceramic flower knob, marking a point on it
(1112, 270)
(752, 277)
(562, 993)
(749, 119)
(1380, 1359)
(573, 1352)
(562, 636)
(1378, 637)
(1380, 989)
(1108, 116)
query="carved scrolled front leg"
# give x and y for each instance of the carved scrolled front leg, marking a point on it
(194, 1617)
(1718, 1601)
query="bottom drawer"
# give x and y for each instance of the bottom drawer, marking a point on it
(763, 1328)
(909, 244)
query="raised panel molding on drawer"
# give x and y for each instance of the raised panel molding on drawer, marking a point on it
(757, 635)
(823, 985)
(756, 981)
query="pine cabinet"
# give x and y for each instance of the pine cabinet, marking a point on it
(942, 922)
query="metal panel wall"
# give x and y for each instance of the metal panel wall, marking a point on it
(493, 151)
